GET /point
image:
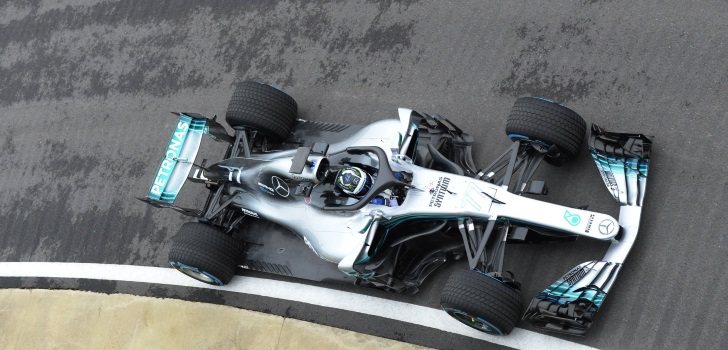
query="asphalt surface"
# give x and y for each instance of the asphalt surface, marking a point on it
(85, 91)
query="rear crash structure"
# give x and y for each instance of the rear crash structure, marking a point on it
(274, 206)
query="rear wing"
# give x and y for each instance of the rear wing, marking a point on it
(179, 158)
(570, 304)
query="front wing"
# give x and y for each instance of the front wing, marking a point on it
(570, 304)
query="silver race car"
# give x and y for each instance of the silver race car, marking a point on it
(385, 204)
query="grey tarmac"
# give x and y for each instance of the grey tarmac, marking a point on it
(86, 88)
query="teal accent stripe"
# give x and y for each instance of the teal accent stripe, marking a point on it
(169, 162)
(562, 291)
(394, 221)
(620, 165)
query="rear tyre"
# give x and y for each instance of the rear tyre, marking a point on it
(204, 253)
(482, 302)
(263, 108)
(545, 121)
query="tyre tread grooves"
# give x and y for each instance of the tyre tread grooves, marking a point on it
(548, 122)
(263, 108)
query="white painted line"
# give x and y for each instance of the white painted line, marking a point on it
(332, 298)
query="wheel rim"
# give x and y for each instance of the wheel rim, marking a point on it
(262, 82)
(546, 99)
(474, 321)
(196, 273)
(515, 137)
(519, 137)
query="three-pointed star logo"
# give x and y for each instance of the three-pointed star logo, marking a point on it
(606, 227)
(280, 186)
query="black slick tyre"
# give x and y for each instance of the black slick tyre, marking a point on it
(482, 302)
(545, 121)
(204, 253)
(262, 107)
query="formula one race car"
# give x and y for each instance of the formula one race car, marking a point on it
(385, 204)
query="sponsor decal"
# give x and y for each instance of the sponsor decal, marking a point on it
(605, 170)
(280, 187)
(249, 213)
(571, 218)
(233, 172)
(609, 179)
(471, 198)
(575, 275)
(199, 174)
(170, 158)
(607, 226)
(438, 192)
(589, 223)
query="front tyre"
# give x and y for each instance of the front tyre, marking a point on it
(204, 253)
(482, 302)
(549, 123)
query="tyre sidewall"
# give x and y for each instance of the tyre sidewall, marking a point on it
(483, 297)
(205, 250)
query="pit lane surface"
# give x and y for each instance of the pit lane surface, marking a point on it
(87, 85)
